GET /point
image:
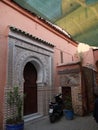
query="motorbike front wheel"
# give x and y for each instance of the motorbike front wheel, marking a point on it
(52, 118)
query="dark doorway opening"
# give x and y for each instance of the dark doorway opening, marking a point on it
(30, 89)
(66, 91)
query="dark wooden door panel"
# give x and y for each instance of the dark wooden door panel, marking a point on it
(30, 89)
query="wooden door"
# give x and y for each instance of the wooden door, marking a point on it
(30, 89)
(88, 76)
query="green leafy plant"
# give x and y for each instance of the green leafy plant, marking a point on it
(68, 103)
(15, 102)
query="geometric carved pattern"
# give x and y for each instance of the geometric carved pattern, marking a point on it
(24, 52)
(34, 57)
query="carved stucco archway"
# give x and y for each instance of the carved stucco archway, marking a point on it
(41, 66)
(25, 48)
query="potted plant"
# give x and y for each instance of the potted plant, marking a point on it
(68, 109)
(15, 102)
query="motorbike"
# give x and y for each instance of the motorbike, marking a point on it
(56, 108)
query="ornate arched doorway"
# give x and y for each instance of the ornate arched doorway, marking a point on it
(30, 89)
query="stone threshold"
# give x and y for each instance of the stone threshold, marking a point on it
(32, 118)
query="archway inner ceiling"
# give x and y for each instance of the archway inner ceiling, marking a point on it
(77, 17)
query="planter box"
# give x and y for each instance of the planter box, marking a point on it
(15, 126)
(69, 114)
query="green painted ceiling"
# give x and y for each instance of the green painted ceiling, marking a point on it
(77, 17)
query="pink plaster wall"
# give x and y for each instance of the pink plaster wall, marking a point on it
(9, 16)
(86, 55)
(95, 55)
(95, 52)
(88, 59)
(32, 25)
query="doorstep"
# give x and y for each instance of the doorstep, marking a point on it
(32, 118)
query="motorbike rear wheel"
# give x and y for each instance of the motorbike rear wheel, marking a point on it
(52, 118)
